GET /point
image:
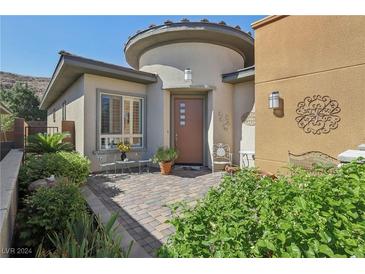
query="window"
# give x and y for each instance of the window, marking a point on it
(64, 111)
(121, 120)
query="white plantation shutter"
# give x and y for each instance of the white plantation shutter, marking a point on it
(121, 120)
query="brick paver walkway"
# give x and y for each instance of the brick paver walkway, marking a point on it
(141, 199)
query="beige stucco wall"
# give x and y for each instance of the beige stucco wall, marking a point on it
(208, 62)
(91, 84)
(303, 56)
(243, 134)
(74, 97)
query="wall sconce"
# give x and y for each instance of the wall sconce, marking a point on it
(188, 75)
(274, 100)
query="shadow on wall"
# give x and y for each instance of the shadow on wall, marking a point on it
(279, 112)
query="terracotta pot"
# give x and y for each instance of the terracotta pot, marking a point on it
(165, 168)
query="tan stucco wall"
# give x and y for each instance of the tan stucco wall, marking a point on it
(303, 56)
(74, 97)
(91, 84)
(243, 134)
(208, 62)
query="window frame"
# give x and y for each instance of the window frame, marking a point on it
(64, 104)
(123, 96)
(54, 115)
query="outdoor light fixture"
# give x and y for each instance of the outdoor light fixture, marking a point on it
(274, 100)
(188, 76)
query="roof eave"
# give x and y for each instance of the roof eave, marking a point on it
(79, 66)
(266, 20)
(240, 76)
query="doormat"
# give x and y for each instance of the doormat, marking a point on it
(188, 167)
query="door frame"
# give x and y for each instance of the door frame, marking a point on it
(205, 124)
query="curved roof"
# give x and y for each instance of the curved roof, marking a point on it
(206, 32)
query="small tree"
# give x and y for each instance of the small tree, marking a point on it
(23, 102)
(6, 123)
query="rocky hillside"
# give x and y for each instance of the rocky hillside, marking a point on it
(7, 80)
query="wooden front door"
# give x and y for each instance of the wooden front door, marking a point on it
(188, 130)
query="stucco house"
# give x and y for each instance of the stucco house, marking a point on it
(299, 88)
(191, 85)
(316, 64)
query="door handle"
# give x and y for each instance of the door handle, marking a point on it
(176, 138)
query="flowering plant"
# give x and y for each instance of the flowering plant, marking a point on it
(124, 147)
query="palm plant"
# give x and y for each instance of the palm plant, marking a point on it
(48, 143)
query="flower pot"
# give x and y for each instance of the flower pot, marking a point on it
(123, 156)
(165, 168)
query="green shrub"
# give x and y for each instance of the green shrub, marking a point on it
(302, 215)
(70, 165)
(48, 210)
(47, 143)
(86, 237)
(164, 155)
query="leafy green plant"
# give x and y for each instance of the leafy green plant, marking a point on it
(6, 122)
(86, 237)
(23, 102)
(49, 210)
(164, 155)
(304, 214)
(47, 143)
(70, 165)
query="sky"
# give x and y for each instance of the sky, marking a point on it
(30, 44)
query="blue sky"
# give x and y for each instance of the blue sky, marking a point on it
(29, 44)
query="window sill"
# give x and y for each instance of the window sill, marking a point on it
(113, 151)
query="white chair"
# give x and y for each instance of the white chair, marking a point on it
(104, 164)
(221, 155)
(247, 158)
(143, 164)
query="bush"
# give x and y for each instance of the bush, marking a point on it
(86, 237)
(70, 165)
(49, 210)
(47, 143)
(302, 215)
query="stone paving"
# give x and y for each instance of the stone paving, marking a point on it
(141, 200)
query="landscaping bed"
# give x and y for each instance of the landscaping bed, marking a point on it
(317, 213)
(53, 219)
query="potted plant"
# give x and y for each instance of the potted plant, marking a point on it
(165, 157)
(123, 148)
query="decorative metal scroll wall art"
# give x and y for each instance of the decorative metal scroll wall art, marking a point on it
(318, 114)
(224, 119)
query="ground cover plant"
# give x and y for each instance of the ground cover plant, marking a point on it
(70, 165)
(48, 210)
(305, 214)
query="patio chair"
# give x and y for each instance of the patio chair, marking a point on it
(309, 159)
(104, 164)
(143, 163)
(221, 155)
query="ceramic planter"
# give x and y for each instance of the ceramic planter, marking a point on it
(165, 168)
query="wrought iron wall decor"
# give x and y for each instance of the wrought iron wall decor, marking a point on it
(318, 114)
(224, 119)
(249, 118)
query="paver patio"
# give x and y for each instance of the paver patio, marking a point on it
(141, 200)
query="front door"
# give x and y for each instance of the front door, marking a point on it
(188, 130)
